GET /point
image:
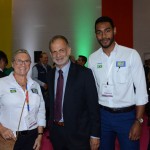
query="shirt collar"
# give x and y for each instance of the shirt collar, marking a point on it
(29, 79)
(114, 51)
(64, 68)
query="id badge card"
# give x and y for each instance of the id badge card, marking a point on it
(107, 90)
(30, 119)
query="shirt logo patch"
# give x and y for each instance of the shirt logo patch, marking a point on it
(34, 91)
(13, 90)
(99, 65)
(120, 63)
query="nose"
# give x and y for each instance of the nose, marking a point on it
(57, 54)
(103, 35)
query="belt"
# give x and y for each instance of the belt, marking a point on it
(118, 110)
(61, 124)
(26, 132)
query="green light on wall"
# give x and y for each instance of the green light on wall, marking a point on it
(84, 14)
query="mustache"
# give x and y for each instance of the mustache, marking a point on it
(105, 39)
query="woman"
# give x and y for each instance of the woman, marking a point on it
(15, 90)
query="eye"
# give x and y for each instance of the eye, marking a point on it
(61, 50)
(98, 32)
(27, 61)
(108, 30)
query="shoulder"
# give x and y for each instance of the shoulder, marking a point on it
(6, 81)
(79, 69)
(96, 54)
(126, 50)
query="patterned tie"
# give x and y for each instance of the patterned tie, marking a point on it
(58, 99)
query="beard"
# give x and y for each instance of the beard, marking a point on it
(108, 42)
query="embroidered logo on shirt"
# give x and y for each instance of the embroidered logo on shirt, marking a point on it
(120, 63)
(34, 91)
(13, 90)
(99, 65)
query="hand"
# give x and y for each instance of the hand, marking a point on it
(6, 133)
(37, 143)
(94, 143)
(135, 131)
(45, 86)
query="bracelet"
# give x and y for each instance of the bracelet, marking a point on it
(40, 133)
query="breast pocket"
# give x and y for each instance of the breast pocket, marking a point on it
(122, 75)
(34, 100)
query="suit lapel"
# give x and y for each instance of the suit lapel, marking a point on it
(70, 81)
(52, 84)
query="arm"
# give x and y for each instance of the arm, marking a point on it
(6, 133)
(35, 76)
(141, 96)
(38, 140)
(94, 113)
(41, 121)
(135, 131)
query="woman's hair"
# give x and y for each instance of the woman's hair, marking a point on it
(18, 52)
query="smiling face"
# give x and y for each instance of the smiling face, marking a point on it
(105, 34)
(60, 52)
(21, 64)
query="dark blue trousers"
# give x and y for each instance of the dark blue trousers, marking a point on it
(117, 125)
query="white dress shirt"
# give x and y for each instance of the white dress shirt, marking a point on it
(121, 70)
(12, 97)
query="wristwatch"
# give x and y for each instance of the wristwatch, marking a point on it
(140, 120)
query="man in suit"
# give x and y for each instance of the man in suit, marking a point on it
(78, 125)
(3, 63)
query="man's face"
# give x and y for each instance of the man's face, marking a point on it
(105, 34)
(80, 61)
(44, 59)
(60, 52)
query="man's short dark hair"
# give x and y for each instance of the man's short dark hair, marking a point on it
(104, 19)
(3, 57)
(83, 58)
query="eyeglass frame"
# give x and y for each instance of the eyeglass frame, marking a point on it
(21, 62)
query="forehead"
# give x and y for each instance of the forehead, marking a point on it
(58, 44)
(22, 56)
(44, 55)
(103, 25)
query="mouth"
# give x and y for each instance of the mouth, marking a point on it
(105, 41)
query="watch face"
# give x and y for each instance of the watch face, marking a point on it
(140, 120)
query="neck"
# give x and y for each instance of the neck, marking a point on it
(108, 50)
(21, 80)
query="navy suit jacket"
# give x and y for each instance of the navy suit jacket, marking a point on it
(80, 108)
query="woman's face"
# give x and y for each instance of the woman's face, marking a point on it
(21, 64)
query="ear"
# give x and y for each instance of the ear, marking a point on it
(69, 51)
(50, 53)
(115, 30)
(12, 64)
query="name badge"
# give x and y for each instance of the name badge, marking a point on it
(120, 63)
(99, 65)
(30, 119)
(34, 90)
(107, 90)
(12, 90)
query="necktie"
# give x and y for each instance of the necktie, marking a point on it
(58, 99)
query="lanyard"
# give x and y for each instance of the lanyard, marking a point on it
(27, 99)
(110, 68)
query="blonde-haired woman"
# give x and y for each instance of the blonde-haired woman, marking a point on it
(15, 90)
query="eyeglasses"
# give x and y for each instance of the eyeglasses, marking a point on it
(20, 62)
